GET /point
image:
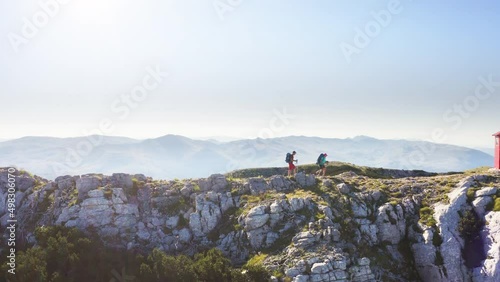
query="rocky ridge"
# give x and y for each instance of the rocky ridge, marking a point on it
(346, 227)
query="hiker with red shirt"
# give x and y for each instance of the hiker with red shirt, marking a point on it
(290, 158)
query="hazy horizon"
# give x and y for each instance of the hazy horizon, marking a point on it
(224, 139)
(387, 69)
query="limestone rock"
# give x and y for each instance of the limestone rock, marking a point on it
(256, 218)
(122, 180)
(489, 271)
(205, 218)
(216, 183)
(448, 217)
(480, 204)
(390, 224)
(85, 184)
(344, 188)
(257, 185)
(305, 180)
(488, 191)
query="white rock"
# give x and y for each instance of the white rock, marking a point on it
(488, 191)
(480, 204)
(172, 222)
(320, 267)
(296, 204)
(257, 217)
(301, 278)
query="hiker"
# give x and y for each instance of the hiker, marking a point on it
(321, 162)
(290, 158)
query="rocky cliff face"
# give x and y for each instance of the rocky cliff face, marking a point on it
(346, 227)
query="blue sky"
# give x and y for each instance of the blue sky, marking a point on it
(228, 76)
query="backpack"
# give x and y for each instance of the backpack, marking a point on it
(319, 159)
(288, 157)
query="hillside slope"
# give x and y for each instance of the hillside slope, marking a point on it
(361, 224)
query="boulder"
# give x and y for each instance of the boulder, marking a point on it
(480, 204)
(256, 185)
(256, 218)
(122, 180)
(448, 218)
(344, 188)
(280, 183)
(205, 219)
(305, 180)
(172, 222)
(319, 267)
(390, 224)
(65, 182)
(489, 271)
(304, 239)
(488, 191)
(216, 183)
(85, 184)
(296, 204)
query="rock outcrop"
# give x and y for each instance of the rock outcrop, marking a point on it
(342, 228)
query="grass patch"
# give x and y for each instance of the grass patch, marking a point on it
(256, 260)
(196, 188)
(427, 216)
(479, 170)
(136, 185)
(471, 194)
(496, 206)
(319, 215)
(333, 168)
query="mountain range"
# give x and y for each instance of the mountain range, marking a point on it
(173, 156)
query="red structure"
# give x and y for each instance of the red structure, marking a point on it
(497, 150)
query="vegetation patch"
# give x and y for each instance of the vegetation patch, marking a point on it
(256, 260)
(471, 194)
(65, 254)
(469, 227)
(427, 216)
(496, 205)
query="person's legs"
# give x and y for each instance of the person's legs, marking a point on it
(324, 170)
(294, 169)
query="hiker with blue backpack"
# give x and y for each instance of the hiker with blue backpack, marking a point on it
(290, 158)
(322, 162)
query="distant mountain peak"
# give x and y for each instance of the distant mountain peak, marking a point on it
(363, 138)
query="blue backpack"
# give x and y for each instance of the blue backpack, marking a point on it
(319, 159)
(288, 158)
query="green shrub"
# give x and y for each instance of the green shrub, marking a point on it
(256, 260)
(67, 255)
(469, 225)
(427, 216)
(496, 206)
(471, 194)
